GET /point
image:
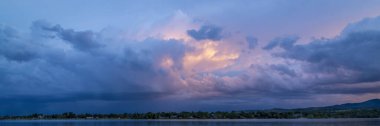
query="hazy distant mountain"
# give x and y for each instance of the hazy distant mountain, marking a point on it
(370, 104)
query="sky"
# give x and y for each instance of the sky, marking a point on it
(98, 56)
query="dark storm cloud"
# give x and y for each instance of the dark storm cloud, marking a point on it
(74, 97)
(206, 32)
(124, 70)
(132, 73)
(12, 47)
(21, 55)
(76, 102)
(322, 66)
(358, 51)
(350, 58)
(82, 40)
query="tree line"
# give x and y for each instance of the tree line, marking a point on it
(267, 114)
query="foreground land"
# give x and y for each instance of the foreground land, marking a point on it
(362, 113)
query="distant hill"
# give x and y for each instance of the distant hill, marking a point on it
(370, 104)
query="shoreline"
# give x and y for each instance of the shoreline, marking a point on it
(203, 120)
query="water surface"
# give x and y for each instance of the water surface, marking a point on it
(239, 122)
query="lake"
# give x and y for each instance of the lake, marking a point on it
(238, 122)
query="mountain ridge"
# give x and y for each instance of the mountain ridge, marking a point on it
(369, 104)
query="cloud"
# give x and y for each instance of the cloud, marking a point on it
(284, 70)
(209, 32)
(352, 57)
(154, 70)
(366, 24)
(12, 46)
(124, 70)
(252, 42)
(320, 68)
(358, 89)
(283, 42)
(357, 51)
(82, 40)
(75, 97)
